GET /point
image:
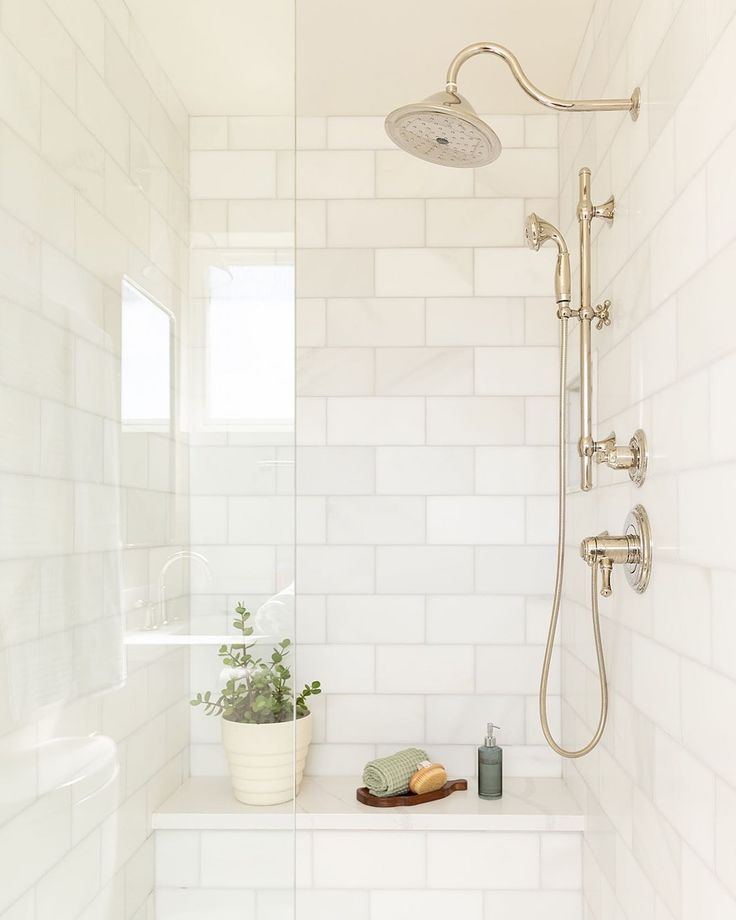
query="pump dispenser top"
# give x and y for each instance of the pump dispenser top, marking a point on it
(490, 736)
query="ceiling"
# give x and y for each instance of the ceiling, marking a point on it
(354, 58)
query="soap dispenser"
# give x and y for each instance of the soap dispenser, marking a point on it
(490, 766)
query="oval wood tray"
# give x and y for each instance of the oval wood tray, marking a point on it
(393, 801)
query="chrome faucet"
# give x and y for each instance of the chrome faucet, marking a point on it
(163, 619)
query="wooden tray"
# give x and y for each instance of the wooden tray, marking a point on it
(393, 801)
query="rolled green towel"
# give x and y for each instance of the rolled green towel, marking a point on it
(391, 775)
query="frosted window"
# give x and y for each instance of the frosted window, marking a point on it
(146, 361)
(250, 355)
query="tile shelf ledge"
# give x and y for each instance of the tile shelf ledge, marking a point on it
(328, 803)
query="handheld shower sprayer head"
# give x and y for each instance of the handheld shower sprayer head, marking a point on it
(537, 232)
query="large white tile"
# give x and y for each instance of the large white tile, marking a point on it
(475, 420)
(339, 668)
(399, 175)
(561, 861)
(431, 905)
(512, 669)
(693, 816)
(381, 223)
(233, 174)
(475, 519)
(516, 470)
(34, 193)
(261, 132)
(335, 273)
(475, 619)
(382, 718)
(363, 133)
(377, 519)
(480, 222)
(424, 569)
(424, 669)
(335, 470)
(250, 859)
(43, 41)
(334, 174)
(424, 371)
(528, 905)
(215, 903)
(520, 173)
(379, 321)
(515, 569)
(424, 470)
(702, 893)
(457, 719)
(20, 97)
(514, 273)
(473, 860)
(516, 371)
(177, 859)
(383, 420)
(424, 272)
(316, 904)
(375, 618)
(475, 321)
(335, 372)
(378, 859)
(338, 569)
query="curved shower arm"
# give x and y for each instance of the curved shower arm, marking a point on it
(563, 105)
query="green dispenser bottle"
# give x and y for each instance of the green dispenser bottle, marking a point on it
(490, 766)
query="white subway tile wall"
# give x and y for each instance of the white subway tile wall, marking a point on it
(368, 875)
(93, 187)
(660, 789)
(420, 434)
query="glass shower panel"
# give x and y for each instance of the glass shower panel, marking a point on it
(146, 453)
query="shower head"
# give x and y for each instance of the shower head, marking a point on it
(537, 232)
(444, 129)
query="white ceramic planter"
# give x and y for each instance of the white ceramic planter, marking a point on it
(262, 759)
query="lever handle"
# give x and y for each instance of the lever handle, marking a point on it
(606, 569)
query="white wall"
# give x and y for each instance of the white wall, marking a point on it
(368, 874)
(426, 374)
(242, 472)
(660, 791)
(93, 186)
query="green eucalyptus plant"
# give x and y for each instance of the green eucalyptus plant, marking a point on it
(255, 691)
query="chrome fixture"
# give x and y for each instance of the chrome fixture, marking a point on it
(632, 549)
(632, 456)
(537, 232)
(163, 617)
(445, 129)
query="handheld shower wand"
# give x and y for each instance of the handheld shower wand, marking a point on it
(536, 233)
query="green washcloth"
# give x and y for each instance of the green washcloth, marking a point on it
(391, 775)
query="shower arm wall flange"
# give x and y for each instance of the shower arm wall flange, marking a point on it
(631, 105)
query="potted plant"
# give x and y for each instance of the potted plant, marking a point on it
(263, 742)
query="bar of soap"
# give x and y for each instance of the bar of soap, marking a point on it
(428, 778)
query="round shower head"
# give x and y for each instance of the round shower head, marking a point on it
(444, 129)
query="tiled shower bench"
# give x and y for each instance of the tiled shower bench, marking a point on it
(515, 859)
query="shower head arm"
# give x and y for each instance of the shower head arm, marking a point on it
(561, 105)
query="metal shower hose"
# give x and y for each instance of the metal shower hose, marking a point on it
(549, 648)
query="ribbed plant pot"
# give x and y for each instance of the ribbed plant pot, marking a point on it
(262, 759)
